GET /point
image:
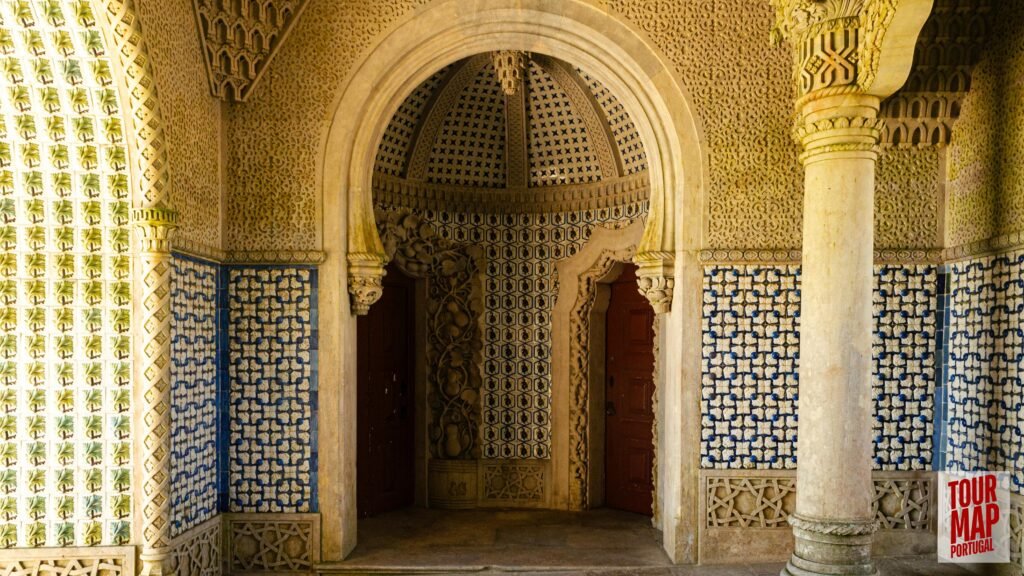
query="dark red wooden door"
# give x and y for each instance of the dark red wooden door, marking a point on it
(629, 396)
(386, 385)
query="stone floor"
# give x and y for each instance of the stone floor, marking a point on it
(599, 542)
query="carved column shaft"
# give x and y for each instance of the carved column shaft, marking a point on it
(153, 391)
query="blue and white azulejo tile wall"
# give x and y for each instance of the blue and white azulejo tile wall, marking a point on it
(272, 369)
(985, 366)
(195, 387)
(750, 359)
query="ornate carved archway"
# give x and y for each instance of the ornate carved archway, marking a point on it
(622, 59)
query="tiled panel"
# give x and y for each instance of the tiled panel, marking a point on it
(750, 363)
(66, 454)
(751, 343)
(904, 353)
(194, 393)
(520, 251)
(272, 342)
(986, 356)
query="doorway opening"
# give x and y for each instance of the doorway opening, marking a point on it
(629, 397)
(386, 381)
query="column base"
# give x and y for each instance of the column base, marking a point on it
(831, 547)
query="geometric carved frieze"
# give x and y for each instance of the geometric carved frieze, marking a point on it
(902, 501)
(513, 483)
(240, 39)
(81, 561)
(272, 543)
(197, 552)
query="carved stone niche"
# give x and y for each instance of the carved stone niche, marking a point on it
(454, 348)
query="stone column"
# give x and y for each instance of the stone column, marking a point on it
(153, 390)
(833, 521)
(837, 53)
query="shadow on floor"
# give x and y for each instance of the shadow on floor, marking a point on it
(553, 543)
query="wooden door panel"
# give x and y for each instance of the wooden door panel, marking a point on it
(385, 380)
(629, 394)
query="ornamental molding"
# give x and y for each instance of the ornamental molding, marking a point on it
(579, 372)
(154, 226)
(251, 257)
(296, 257)
(833, 527)
(760, 499)
(924, 110)
(995, 245)
(795, 19)
(454, 331)
(759, 256)
(197, 551)
(621, 191)
(73, 561)
(271, 543)
(838, 43)
(240, 39)
(125, 32)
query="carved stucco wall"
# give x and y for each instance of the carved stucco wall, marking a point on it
(192, 122)
(909, 184)
(986, 176)
(739, 84)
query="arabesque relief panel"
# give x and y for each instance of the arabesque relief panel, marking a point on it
(193, 127)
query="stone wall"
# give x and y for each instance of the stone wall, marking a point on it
(192, 123)
(985, 179)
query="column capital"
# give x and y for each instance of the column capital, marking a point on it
(656, 278)
(365, 275)
(154, 226)
(839, 126)
(838, 44)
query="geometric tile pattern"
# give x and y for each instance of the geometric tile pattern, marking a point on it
(751, 342)
(985, 365)
(750, 364)
(272, 342)
(194, 390)
(905, 359)
(520, 253)
(65, 289)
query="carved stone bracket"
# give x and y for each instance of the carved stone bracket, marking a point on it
(656, 278)
(365, 272)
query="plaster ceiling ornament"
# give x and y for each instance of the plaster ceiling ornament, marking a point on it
(240, 39)
(510, 132)
(510, 66)
(924, 110)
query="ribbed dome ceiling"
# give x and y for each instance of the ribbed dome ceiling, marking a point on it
(461, 129)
